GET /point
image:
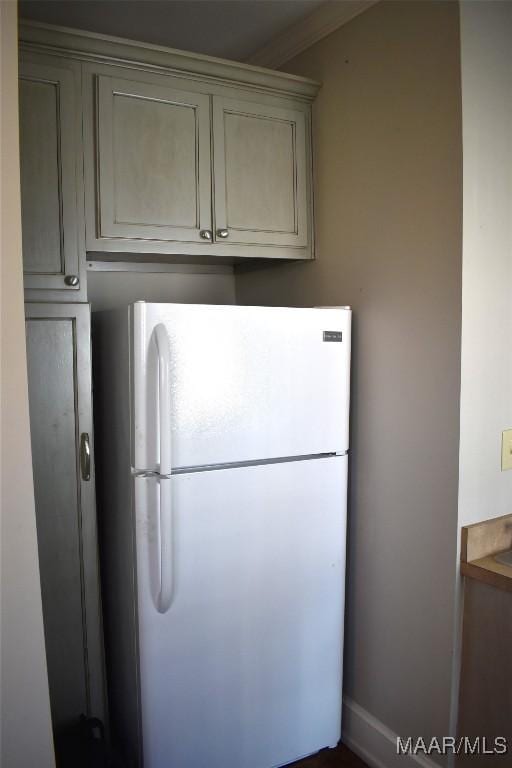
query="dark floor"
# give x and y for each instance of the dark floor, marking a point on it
(341, 757)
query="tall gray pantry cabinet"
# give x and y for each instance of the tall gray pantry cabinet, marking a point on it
(59, 376)
(136, 153)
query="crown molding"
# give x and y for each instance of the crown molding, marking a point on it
(91, 46)
(324, 20)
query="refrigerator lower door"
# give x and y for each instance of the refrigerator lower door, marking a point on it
(244, 669)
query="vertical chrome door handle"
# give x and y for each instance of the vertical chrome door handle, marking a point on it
(85, 456)
(165, 512)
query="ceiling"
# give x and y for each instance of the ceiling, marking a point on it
(232, 29)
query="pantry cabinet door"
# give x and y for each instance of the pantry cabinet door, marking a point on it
(261, 174)
(154, 176)
(59, 385)
(51, 179)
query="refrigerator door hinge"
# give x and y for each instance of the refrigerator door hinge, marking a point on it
(149, 473)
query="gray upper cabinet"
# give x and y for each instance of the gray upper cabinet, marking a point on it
(153, 162)
(183, 155)
(51, 178)
(261, 174)
(176, 172)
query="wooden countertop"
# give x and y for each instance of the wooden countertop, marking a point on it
(480, 543)
(486, 569)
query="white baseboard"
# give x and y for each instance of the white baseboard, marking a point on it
(374, 742)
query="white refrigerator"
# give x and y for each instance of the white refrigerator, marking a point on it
(222, 440)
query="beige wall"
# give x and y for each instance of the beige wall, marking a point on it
(110, 290)
(26, 739)
(388, 196)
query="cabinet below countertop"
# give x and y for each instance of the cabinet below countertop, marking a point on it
(485, 694)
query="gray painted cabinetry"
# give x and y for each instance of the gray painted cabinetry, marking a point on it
(129, 150)
(183, 156)
(59, 378)
(172, 169)
(153, 161)
(261, 174)
(51, 178)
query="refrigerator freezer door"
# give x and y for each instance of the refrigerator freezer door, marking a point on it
(244, 669)
(247, 383)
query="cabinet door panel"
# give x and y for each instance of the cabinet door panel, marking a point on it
(58, 355)
(41, 189)
(154, 161)
(49, 159)
(261, 178)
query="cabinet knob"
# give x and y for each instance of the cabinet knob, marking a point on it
(205, 234)
(71, 280)
(223, 233)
